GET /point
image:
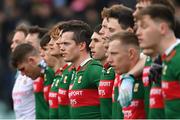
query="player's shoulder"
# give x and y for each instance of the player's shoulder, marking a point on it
(94, 63)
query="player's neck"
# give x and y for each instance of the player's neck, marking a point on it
(103, 61)
(167, 42)
(82, 58)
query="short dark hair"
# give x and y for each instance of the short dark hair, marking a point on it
(82, 31)
(126, 38)
(22, 28)
(21, 52)
(45, 40)
(167, 3)
(158, 12)
(97, 28)
(123, 14)
(36, 29)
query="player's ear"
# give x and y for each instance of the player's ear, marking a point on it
(164, 28)
(31, 60)
(132, 53)
(82, 46)
(129, 29)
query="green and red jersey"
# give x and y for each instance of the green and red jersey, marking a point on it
(156, 103)
(171, 81)
(147, 83)
(136, 110)
(53, 96)
(41, 90)
(83, 92)
(105, 91)
(116, 107)
(49, 75)
(63, 88)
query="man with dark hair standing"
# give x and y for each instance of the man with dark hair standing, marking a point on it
(98, 52)
(83, 91)
(22, 94)
(58, 96)
(154, 102)
(155, 31)
(43, 83)
(118, 18)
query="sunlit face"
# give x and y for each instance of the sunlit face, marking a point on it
(54, 47)
(29, 68)
(104, 29)
(148, 33)
(69, 48)
(118, 57)
(32, 39)
(97, 47)
(18, 38)
(114, 26)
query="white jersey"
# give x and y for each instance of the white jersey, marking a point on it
(23, 97)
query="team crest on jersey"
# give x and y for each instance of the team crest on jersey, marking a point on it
(79, 79)
(65, 79)
(136, 86)
(164, 69)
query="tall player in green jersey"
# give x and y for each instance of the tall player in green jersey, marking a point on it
(54, 50)
(160, 27)
(116, 18)
(123, 55)
(83, 91)
(149, 52)
(60, 86)
(42, 84)
(98, 52)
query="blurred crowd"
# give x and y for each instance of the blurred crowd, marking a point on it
(43, 13)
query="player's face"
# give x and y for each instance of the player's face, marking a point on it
(18, 38)
(33, 40)
(58, 43)
(45, 54)
(54, 48)
(70, 50)
(29, 68)
(104, 29)
(118, 57)
(140, 5)
(113, 26)
(97, 47)
(148, 33)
